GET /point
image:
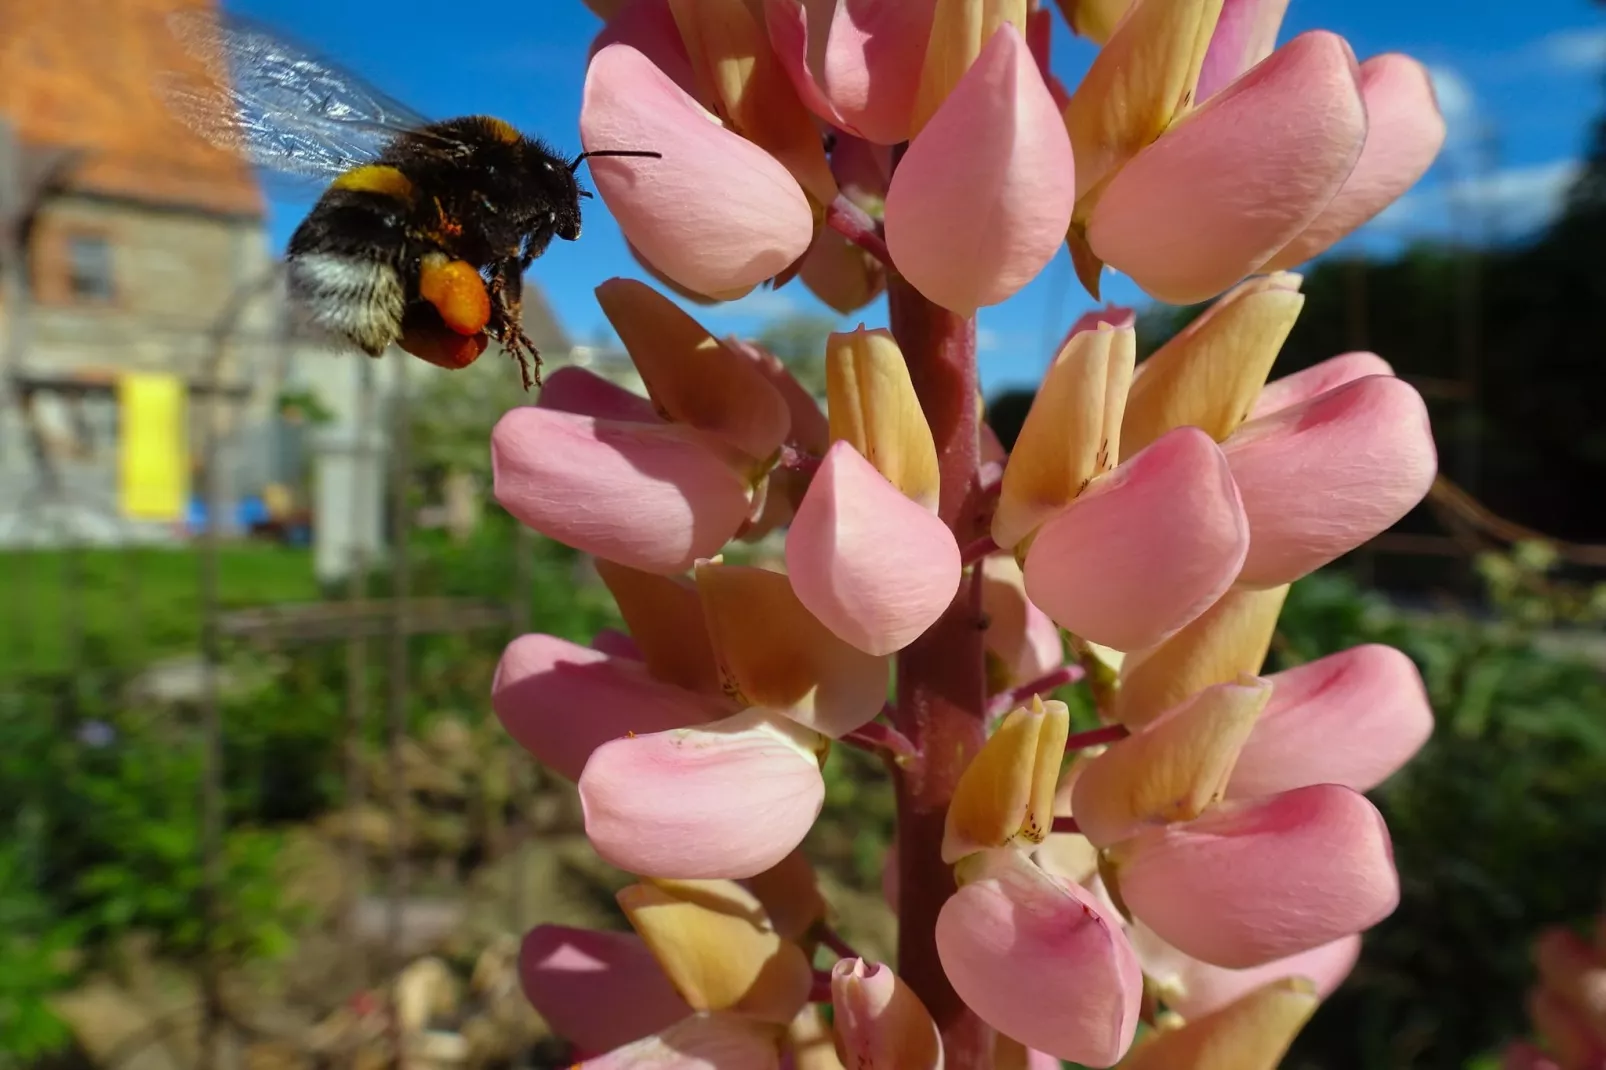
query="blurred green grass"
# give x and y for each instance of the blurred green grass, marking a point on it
(121, 607)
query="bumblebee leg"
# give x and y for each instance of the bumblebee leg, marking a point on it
(507, 318)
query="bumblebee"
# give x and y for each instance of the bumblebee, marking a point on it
(424, 229)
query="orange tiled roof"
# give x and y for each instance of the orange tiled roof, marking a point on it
(83, 73)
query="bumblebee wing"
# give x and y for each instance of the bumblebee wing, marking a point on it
(278, 105)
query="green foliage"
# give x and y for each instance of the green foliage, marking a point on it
(127, 607)
(36, 950)
(1524, 584)
(1499, 829)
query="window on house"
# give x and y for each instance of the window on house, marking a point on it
(89, 267)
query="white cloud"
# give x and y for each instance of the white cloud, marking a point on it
(1457, 102)
(1583, 48)
(1504, 203)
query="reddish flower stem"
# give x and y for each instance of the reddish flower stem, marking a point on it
(1094, 736)
(820, 987)
(855, 224)
(942, 699)
(833, 940)
(977, 550)
(1005, 701)
(1065, 824)
(882, 739)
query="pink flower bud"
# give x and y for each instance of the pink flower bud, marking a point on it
(653, 496)
(1321, 478)
(1263, 879)
(983, 196)
(1230, 184)
(729, 799)
(717, 213)
(873, 566)
(561, 701)
(1351, 718)
(1404, 132)
(880, 1023)
(1037, 958)
(1144, 550)
(597, 990)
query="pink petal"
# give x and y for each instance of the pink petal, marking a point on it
(717, 213)
(1317, 379)
(561, 701)
(1194, 989)
(652, 496)
(873, 566)
(730, 799)
(856, 66)
(597, 990)
(880, 1023)
(1244, 35)
(721, 1041)
(1259, 880)
(1020, 636)
(1038, 959)
(585, 393)
(1404, 133)
(649, 27)
(1145, 549)
(1320, 478)
(809, 428)
(1116, 316)
(613, 642)
(981, 200)
(1351, 718)
(1231, 183)
(840, 273)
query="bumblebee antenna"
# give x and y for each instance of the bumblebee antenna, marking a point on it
(647, 153)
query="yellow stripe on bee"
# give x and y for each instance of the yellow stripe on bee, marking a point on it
(503, 131)
(376, 178)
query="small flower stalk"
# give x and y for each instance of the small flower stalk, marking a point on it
(1182, 882)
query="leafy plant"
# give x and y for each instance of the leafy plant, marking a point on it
(36, 948)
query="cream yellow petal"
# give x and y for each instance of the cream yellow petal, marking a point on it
(665, 618)
(1142, 79)
(1071, 434)
(873, 407)
(1230, 639)
(1006, 793)
(959, 28)
(1210, 374)
(714, 951)
(1252, 1033)
(773, 653)
(1178, 765)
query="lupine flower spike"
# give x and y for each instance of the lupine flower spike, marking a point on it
(1175, 880)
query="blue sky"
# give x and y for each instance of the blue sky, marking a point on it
(1519, 83)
